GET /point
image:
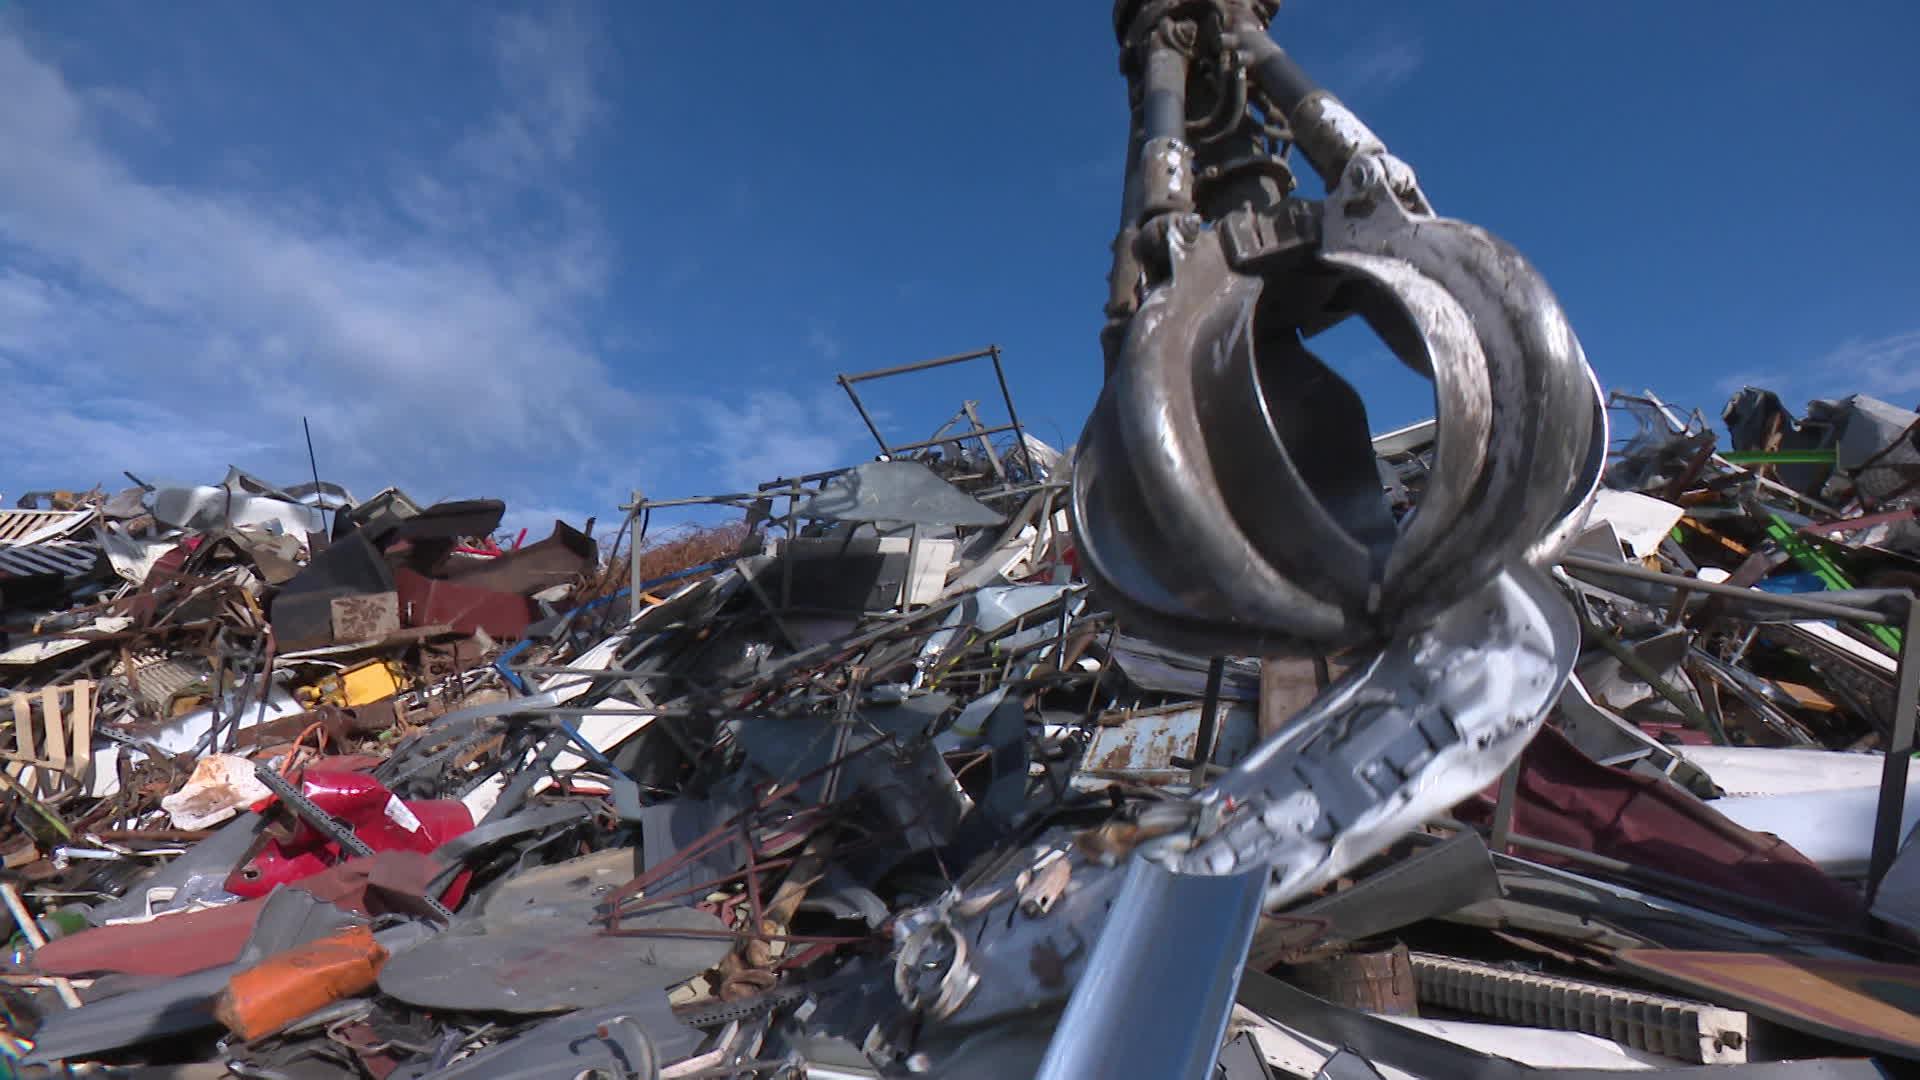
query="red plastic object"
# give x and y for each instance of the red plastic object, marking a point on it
(361, 803)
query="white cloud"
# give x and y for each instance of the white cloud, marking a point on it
(774, 433)
(1887, 367)
(1387, 59)
(1740, 380)
(823, 341)
(436, 324)
(240, 314)
(172, 329)
(126, 105)
(546, 65)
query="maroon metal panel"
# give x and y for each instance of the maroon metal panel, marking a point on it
(170, 946)
(1568, 798)
(426, 602)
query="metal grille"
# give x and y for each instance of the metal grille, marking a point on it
(1673, 1027)
(68, 558)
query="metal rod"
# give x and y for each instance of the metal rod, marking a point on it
(918, 365)
(986, 444)
(1820, 608)
(634, 541)
(695, 932)
(1839, 528)
(804, 478)
(18, 909)
(589, 674)
(651, 904)
(1645, 673)
(1209, 722)
(1007, 396)
(957, 437)
(827, 650)
(1899, 756)
(1680, 427)
(1503, 808)
(735, 498)
(309, 811)
(588, 710)
(266, 684)
(754, 869)
(846, 384)
(787, 554)
(314, 464)
(1794, 916)
(773, 610)
(719, 834)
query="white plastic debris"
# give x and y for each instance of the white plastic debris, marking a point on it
(221, 786)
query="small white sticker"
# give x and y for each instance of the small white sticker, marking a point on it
(398, 813)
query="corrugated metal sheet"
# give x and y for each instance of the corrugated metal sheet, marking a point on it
(68, 558)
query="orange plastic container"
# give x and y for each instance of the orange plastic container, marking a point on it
(287, 986)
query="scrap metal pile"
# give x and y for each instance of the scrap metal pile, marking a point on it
(853, 794)
(1234, 742)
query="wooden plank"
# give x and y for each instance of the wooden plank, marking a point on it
(1807, 696)
(1287, 685)
(56, 758)
(82, 717)
(1856, 1002)
(24, 742)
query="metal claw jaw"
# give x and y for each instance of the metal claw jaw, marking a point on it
(1225, 492)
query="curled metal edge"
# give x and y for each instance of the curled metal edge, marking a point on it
(1574, 514)
(1117, 1022)
(1478, 683)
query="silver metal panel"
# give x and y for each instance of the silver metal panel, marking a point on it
(1159, 989)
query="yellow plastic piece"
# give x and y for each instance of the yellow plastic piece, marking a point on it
(375, 680)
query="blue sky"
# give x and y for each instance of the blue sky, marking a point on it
(555, 253)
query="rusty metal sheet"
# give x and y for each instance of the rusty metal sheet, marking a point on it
(1872, 1006)
(560, 559)
(365, 617)
(1141, 745)
(425, 601)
